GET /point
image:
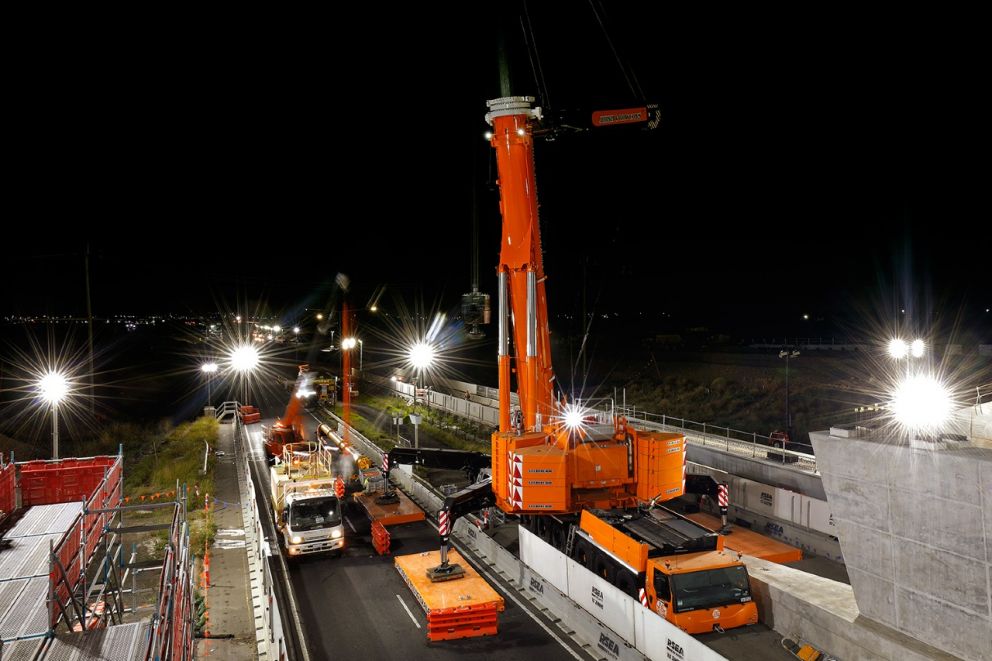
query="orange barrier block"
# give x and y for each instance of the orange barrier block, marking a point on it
(380, 538)
(405, 511)
(749, 542)
(463, 608)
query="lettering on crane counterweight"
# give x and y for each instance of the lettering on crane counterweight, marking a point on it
(540, 470)
(539, 483)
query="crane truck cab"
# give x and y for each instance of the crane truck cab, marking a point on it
(679, 567)
(305, 500)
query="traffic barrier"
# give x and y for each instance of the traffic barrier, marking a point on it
(380, 538)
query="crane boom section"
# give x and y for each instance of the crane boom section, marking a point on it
(521, 262)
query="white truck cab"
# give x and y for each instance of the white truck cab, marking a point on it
(311, 522)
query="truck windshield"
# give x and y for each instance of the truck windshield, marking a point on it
(713, 587)
(315, 513)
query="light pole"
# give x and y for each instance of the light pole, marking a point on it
(53, 387)
(209, 369)
(787, 354)
(244, 359)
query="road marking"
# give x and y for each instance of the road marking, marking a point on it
(351, 525)
(407, 609)
(493, 581)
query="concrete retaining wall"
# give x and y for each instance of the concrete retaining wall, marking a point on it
(916, 532)
(823, 613)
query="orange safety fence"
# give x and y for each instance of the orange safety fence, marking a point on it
(63, 478)
(380, 538)
(8, 490)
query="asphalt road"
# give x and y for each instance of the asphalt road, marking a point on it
(357, 606)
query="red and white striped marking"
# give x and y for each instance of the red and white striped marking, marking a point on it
(721, 496)
(515, 480)
(643, 596)
(339, 488)
(385, 462)
(685, 448)
(444, 523)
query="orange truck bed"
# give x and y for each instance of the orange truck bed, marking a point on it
(466, 607)
(749, 542)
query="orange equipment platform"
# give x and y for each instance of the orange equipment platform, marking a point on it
(466, 607)
(749, 542)
(405, 511)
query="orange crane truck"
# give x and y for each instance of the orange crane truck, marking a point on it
(289, 428)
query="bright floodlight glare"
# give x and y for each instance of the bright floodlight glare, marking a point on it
(421, 355)
(573, 417)
(521, 132)
(53, 387)
(296, 330)
(320, 317)
(921, 402)
(488, 135)
(898, 349)
(374, 308)
(209, 368)
(917, 348)
(244, 358)
(348, 343)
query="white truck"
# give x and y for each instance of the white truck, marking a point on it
(307, 508)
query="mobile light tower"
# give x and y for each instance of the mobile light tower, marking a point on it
(900, 350)
(53, 388)
(244, 360)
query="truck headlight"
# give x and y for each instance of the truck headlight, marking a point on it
(336, 534)
(296, 539)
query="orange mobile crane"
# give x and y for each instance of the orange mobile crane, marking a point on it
(289, 428)
(586, 482)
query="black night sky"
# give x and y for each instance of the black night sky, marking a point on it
(830, 165)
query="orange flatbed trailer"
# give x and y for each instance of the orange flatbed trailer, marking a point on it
(749, 542)
(466, 607)
(404, 511)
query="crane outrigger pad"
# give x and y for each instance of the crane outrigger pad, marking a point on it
(403, 510)
(466, 608)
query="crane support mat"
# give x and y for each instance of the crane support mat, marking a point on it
(748, 542)
(404, 511)
(463, 608)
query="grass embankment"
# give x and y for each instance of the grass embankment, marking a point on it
(452, 431)
(156, 458)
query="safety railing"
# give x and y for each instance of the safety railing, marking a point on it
(732, 441)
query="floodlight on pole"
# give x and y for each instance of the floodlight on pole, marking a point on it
(53, 388)
(917, 348)
(898, 349)
(244, 359)
(209, 369)
(921, 403)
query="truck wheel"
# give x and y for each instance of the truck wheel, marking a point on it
(625, 583)
(582, 554)
(604, 568)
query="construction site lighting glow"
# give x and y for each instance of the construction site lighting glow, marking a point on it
(348, 343)
(898, 349)
(922, 403)
(573, 418)
(488, 135)
(917, 348)
(421, 355)
(209, 368)
(244, 358)
(53, 387)
(296, 330)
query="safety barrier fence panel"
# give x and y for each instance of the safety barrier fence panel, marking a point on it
(98, 482)
(8, 489)
(271, 640)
